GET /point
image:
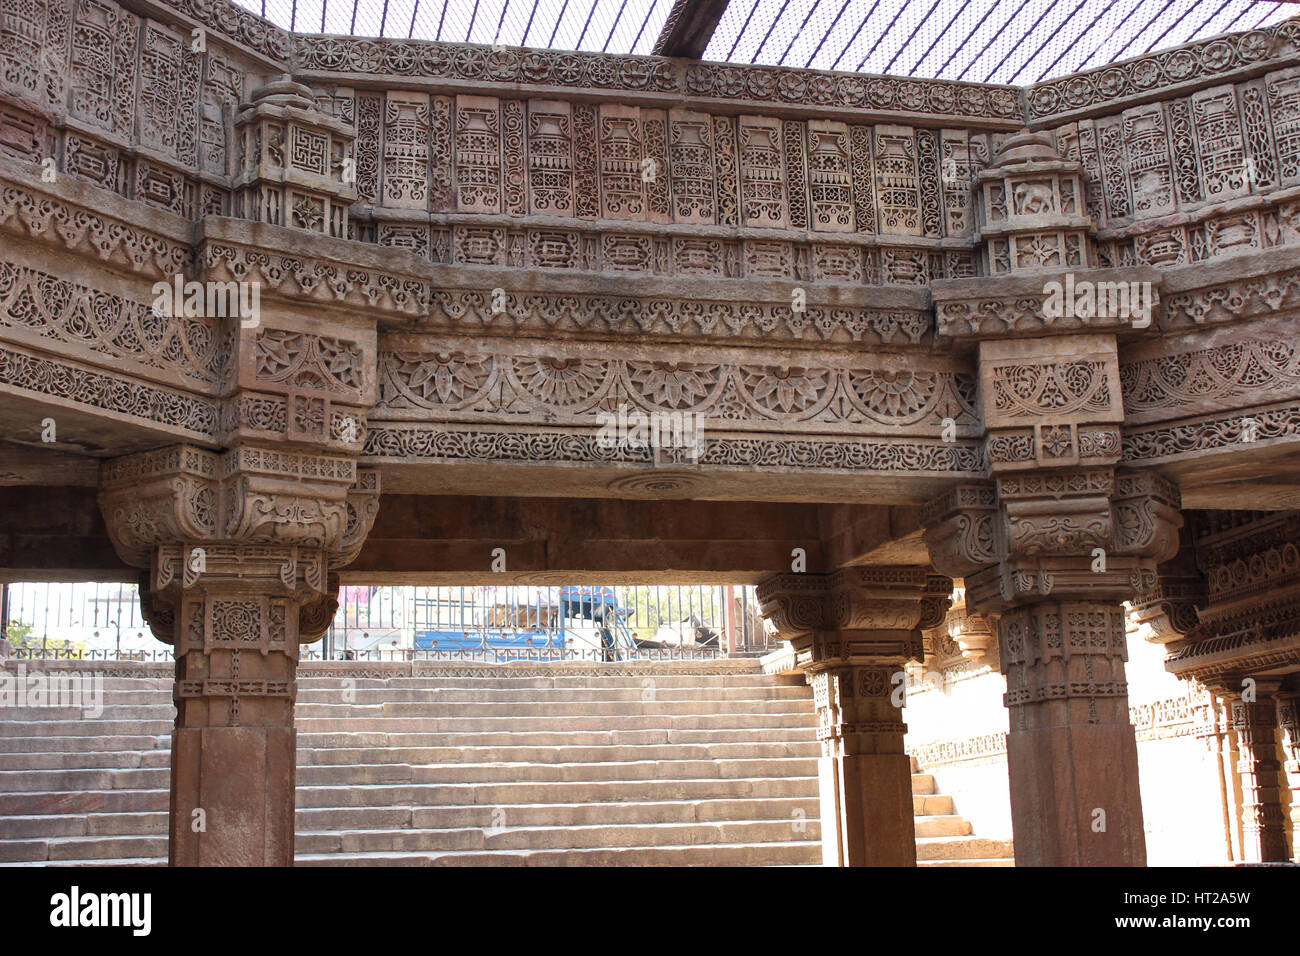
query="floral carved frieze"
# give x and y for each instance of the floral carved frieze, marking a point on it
(1238, 429)
(28, 211)
(112, 327)
(1249, 613)
(1147, 74)
(450, 442)
(1049, 303)
(466, 63)
(649, 316)
(34, 375)
(1271, 294)
(502, 385)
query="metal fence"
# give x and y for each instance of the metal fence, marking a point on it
(98, 620)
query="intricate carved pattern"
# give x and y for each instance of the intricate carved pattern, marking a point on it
(550, 158)
(586, 185)
(1220, 432)
(147, 403)
(478, 154)
(465, 443)
(406, 150)
(370, 111)
(315, 363)
(463, 63)
(726, 155)
(864, 204)
(898, 186)
(169, 94)
(1142, 74)
(64, 311)
(1027, 391)
(1254, 367)
(645, 317)
(927, 153)
(569, 389)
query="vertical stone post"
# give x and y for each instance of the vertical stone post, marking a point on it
(237, 548)
(1263, 823)
(853, 631)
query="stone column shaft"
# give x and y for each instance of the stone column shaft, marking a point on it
(853, 631)
(1263, 822)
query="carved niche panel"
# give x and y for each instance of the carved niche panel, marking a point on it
(690, 156)
(830, 174)
(955, 170)
(370, 113)
(478, 154)
(103, 65)
(762, 173)
(864, 198)
(406, 150)
(223, 91)
(622, 190)
(1284, 108)
(169, 94)
(898, 186)
(550, 157)
(1220, 145)
(1147, 146)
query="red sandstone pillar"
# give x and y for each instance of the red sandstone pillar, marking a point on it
(853, 631)
(1071, 751)
(1263, 823)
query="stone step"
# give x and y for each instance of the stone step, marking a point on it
(385, 741)
(636, 693)
(533, 708)
(84, 727)
(96, 801)
(548, 838)
(553, 814)
(753, 724)
(335, 756)
(83, 848)
(957, 848)
(18, 781)
(90, 824)
(931, 803)
(992, 862)
(762, 854)
(922, 783)
(506, 794)
(85, 760)
(941, 826)
(82, 744)
(386, 773)
(108, 710)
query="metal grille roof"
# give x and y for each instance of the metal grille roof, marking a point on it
(996, 41)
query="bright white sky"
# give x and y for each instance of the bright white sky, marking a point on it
(997, 41)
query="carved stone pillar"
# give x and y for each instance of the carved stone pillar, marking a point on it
(1263, 823)
(852, 632)
(237, 548)
(1246, 644)
(1056, 553)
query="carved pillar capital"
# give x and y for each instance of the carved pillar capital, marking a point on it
(857, 613)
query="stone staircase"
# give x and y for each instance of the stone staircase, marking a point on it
(676, 763)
